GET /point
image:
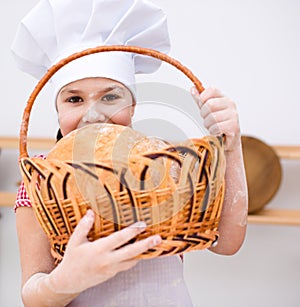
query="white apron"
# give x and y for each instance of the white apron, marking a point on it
(155, 282)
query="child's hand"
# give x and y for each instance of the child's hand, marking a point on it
(86, 264)
(219, 114)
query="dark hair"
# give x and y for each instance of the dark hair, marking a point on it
(58, 135)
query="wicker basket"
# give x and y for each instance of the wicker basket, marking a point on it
(184, 209)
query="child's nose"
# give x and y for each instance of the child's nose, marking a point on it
(94, 114)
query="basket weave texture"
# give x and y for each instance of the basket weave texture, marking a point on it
(125, 177)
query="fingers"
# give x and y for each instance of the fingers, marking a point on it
(82, 229)
(215, 105)
(215, 108)
(121, 237)
(210, 93)
(218, 117)
(132, 250)
(115, 242)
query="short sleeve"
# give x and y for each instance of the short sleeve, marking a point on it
(22, 199)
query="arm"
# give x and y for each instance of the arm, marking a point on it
(43, 284)
(220, 117)
(36, 260)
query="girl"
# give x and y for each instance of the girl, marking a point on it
(99, 88)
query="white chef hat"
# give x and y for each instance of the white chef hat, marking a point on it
(55, 29)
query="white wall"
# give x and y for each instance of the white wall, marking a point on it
(250, 50)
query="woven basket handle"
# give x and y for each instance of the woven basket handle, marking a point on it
(60, 64)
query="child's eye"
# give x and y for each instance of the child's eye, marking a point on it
(75, 99)
(110, 97)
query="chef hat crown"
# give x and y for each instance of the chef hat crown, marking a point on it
(55, 29)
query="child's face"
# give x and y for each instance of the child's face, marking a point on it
(94, 100)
